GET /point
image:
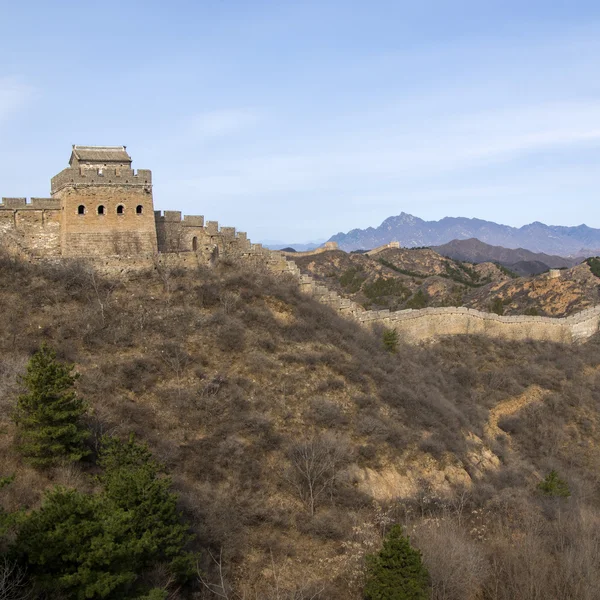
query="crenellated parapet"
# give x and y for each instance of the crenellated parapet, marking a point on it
(191, 233)
(326, 247)
(105, 176)
(193, 221)
(31, 228)
(102, 209)
(379, 249)
(33, 204)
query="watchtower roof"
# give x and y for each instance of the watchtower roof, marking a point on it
(83, 155)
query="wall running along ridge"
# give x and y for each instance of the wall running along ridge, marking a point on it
(414, 326)
(124, 239)
(34, 228)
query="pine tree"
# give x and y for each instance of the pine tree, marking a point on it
(397, 571)
(135, 483)
(48, 415)
(103, 545)
(553, 485)
(390, 340)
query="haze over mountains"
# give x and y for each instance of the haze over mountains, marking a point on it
(412, 231)
(520, 261)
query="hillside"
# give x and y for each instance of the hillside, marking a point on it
(520, 261)
(411, 231)
(231, 376)
(417, 278)
(398, 278)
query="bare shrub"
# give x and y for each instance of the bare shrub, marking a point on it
(456, 564)
(14, 584)
(314, 467)
(218, 584)
(208, 294)
(512, 424)
(327, 414)
(176, 358)
(330, 384)
(575, 539)
(231, 336)
(329, 524)
(520, 564)
(10, 367)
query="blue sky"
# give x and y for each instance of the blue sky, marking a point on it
(294, 120)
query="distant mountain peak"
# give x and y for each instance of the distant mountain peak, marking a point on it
(413, 231)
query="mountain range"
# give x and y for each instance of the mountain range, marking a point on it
(412, 231)
(520, 261)
(297, 246)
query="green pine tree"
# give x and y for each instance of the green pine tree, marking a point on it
(78, 546)
(135, 483)
(419, 300)
(390, 340)
(102, 545)
(497, 306)
(397, 571)
(553, 485)
(48, 415)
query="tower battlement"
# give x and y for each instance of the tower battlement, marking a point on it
(101, 207)
(100, 176)
(34, 203)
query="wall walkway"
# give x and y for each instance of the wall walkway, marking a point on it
(415, 326)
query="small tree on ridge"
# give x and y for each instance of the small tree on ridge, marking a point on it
(48, 414)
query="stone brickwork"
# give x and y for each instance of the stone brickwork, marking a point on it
(102, 210)
(31, 228)
(107, 207)
(379, 249)
(414, 326)
(190, 234)
(107, 220)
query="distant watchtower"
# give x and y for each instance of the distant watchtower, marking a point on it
(106, 207)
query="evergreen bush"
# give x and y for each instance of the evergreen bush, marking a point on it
(390, 340)
(594, 265)
(48, 415)
(419, 300)
(79, 545)
(497, 306)
(553, 485)
(397, 571)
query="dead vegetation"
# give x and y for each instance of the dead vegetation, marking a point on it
(268, 409)
(403, 278)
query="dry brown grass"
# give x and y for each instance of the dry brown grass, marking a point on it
(229, 369)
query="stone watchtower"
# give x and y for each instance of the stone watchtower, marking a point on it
(106, 207)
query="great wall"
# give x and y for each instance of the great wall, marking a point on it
(101, 210)
(415, 326)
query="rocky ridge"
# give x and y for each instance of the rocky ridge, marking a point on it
(411, 231)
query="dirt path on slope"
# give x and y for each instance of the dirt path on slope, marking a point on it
(511, 406)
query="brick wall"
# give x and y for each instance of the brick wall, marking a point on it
(31, 229)
(123, 226)
(415, 326)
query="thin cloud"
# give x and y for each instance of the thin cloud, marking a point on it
(464, 143)
(13, 96)
(220, 123)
